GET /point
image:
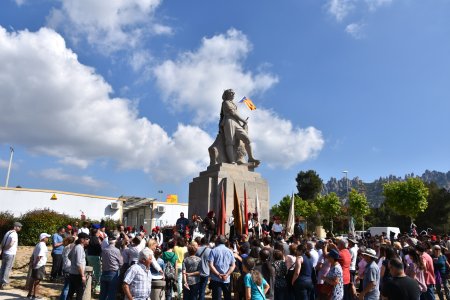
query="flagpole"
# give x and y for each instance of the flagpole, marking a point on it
(9, 166)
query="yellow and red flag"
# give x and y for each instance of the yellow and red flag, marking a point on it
(248, 102)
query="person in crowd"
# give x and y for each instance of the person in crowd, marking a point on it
(265, 227)
(251, 231)
(303, 272)
(256, 286)
(77, 277)
(231, 224)
(361, 267)
(191, 274)
(277, 228)
(130, 254)
(203, 252)
(68, 244)
(416, 270)
(9, 250)
(371, 281)
(381, 252)
(57, 250)
(385, 273)
(170, 257)
(268, 271)
(159, 236)
(313, 252)
(155, 267)
(180, 250)
(280, 268)
(345, 260)
(333, 286)
(291, 256)
(441, 266)
(112, 262)
(94, 252)
(137, 284)
(68, 231)
(210, 223)
(401, 286)
(157, 256)
(39, 261)
(85, 228)
(257, 226)
(195, 225)
(429, 272)
(323, 264)
(298, 229)
(221, 265)
(353, 249)
(182, 224)
(75, 228)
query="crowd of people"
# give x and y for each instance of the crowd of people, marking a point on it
(260, 264)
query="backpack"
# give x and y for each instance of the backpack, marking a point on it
(169, 270)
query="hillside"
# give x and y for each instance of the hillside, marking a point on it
(374, 190)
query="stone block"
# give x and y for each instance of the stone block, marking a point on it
(205, 190)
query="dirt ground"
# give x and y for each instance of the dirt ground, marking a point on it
(18, 277)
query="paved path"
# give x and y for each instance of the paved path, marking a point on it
(12, 294)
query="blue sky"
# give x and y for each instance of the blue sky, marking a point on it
(123, 97)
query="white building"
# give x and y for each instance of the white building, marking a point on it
(21, 200)
(149, 212)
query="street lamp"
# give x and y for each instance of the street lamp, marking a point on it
(9, 166)
(350, 219)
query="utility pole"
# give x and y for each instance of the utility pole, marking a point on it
(9, 166)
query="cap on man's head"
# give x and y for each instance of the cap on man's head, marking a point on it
(17, 224)
(43, 236)
(83, 235)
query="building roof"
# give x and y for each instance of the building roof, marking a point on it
(59, 192)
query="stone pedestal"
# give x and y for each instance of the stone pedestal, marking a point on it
(205, 190)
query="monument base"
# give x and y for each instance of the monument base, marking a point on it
(205, 190)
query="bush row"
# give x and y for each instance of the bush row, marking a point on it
(41, 220)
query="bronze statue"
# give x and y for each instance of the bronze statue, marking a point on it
(232, 141)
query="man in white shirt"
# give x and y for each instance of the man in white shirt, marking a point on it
(8, 250)
(85, 228)
(313, 252)
(231, 224)
(353, 248)
(39, 261)
(277, 228)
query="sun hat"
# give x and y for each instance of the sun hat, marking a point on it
(371, 253)
(43, 236)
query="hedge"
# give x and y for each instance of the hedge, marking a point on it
(38, 221)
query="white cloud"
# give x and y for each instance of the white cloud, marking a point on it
(375, 4)
(20, 2)
(140, 60)
(110, 25)
(5, 163)
(74, 161)
(356, 30)
(196, 80)
(57, 174)
(53, 104)
(340, 8)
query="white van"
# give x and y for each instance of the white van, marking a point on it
(379, 230)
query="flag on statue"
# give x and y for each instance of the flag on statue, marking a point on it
(248, 102)
(222, 212)
(245, 211)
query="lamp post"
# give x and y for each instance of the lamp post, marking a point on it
(350, 219)
(9, 166)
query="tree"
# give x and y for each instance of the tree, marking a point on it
(329, 207)
(302, 208)
(436, 215)
(309, 185)
(407, 198)
(358, 206)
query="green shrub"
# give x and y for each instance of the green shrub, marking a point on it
(6, 222)
(38, 221)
